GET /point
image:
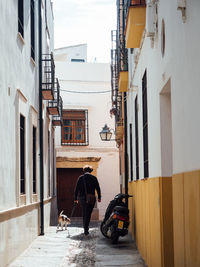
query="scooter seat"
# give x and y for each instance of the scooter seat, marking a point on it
(120, 209)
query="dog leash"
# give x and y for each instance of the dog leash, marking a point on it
(73, 209)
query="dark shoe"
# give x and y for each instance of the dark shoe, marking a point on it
(86, 233)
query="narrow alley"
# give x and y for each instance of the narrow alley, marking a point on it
(99, 111)
(73, 248)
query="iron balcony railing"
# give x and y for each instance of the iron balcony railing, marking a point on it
(116, 96)
(48, 79)
(53, 105)
(57, 120)
(114, 68)
(122, 51)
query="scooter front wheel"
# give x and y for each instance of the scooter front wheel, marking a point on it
(103, 229)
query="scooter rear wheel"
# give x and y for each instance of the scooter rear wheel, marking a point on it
(103, 230)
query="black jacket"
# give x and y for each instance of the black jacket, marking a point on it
(92, 184)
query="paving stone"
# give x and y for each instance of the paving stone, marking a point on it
(72, 248)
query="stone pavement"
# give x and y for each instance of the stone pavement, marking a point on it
(72, 248)
(124, 253)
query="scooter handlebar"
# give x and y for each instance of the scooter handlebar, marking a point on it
(121, 196)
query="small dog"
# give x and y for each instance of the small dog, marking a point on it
(63, 220)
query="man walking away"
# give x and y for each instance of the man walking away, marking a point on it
(85, 188)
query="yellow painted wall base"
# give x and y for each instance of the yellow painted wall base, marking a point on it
(165, 219)
(152, 220)
(186, 212)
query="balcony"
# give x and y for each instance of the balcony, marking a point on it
(135, 22)
(53, 105)
(57, 120)
(123, 81)
(48, 78)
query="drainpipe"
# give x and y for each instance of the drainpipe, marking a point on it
(125, 148)
(125, 67)
(41, 121)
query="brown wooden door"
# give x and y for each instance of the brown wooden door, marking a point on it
(66, 183)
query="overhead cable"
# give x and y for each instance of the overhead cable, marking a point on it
(85, 92)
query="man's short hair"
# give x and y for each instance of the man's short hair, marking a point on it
(87, 168)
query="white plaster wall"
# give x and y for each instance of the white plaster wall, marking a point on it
(16, 72)
(19, 94)
(108, 176)
(13, 242)
(180, 64)
(71, 52)
(83, 72)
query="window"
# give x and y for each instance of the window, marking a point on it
(21, 17)
(75, 127)
(136, 139)
(131, 150)
(163, 38)
(145, 125)
(54, 182)
(34, 160)
(33, 29)
(22, 154)
(49, 179)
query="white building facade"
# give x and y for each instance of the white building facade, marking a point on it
(85, 87)
(25, 188)
(162, 38)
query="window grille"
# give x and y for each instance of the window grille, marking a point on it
(136, 138)
(49, 177)
(33, 29)
(131, 150)
(34, 160)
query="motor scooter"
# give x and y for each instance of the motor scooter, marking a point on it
(116, 220)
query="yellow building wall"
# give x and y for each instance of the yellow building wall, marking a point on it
(151, 219)
(186, 213)
(165, 219)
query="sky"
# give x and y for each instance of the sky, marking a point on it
(85, 21)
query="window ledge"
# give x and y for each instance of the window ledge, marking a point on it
(74, 144)
(22, 200)
(35, 197)
(21, 38)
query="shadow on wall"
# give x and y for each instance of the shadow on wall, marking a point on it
(53, 212)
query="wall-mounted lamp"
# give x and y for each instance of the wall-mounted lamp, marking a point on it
(106, 134)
